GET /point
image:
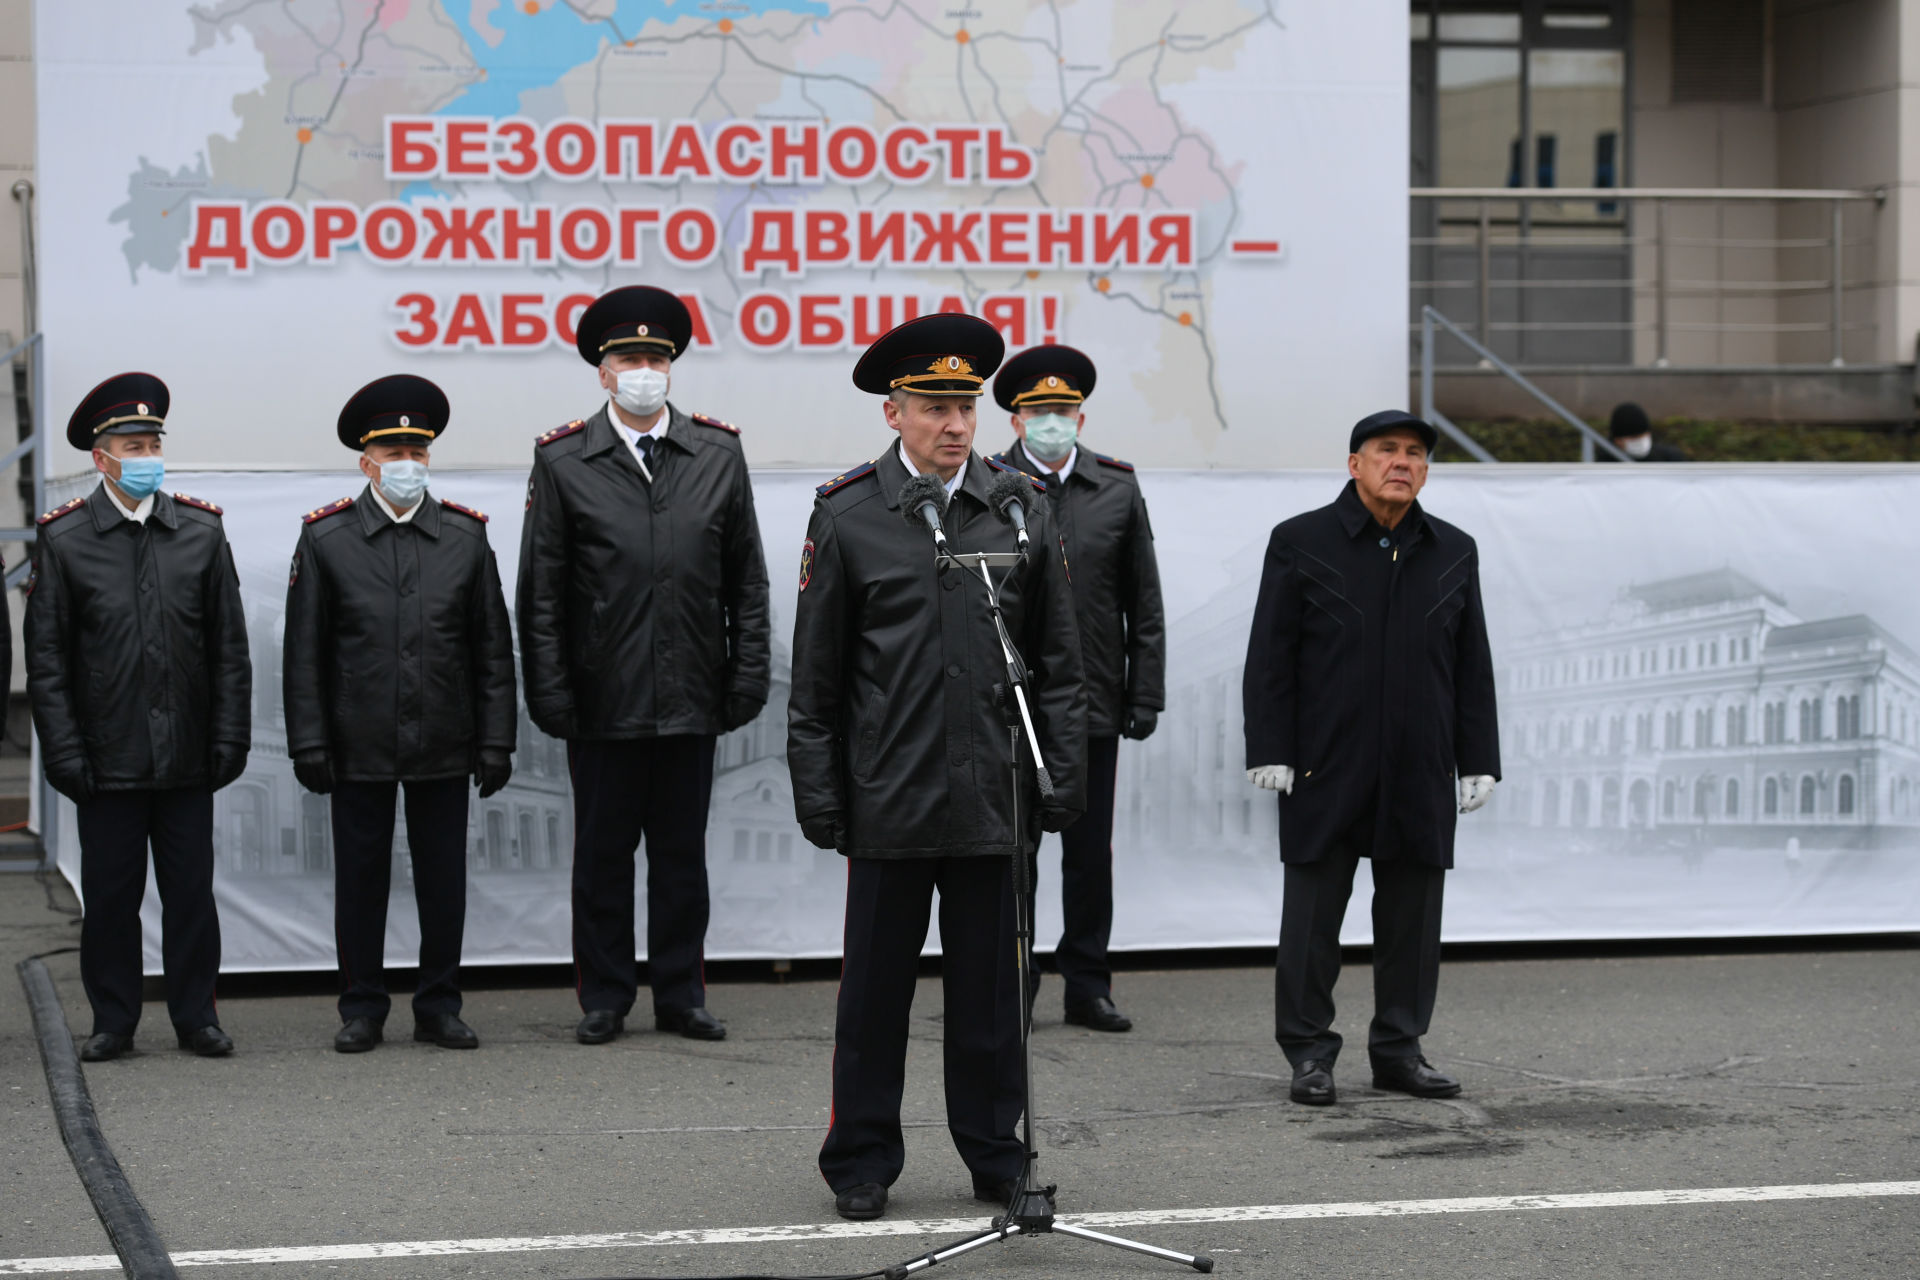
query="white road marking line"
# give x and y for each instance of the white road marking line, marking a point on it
(802, 1232)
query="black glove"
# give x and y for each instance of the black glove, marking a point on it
(493, 770)
(71, 778)
(1140, 722)
(740, 709)
(314, 770)
(825, 830)
(1057, 819)
(229, 762)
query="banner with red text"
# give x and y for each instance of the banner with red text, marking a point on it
(269, 205)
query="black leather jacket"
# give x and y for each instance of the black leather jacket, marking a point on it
(398, 657)
(893, 720)
(136, 643)
(642, 606)
(1116, 585)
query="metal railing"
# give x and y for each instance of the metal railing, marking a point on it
(1590, 440)
(1647, 248)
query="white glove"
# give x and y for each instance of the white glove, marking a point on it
(1474, 792)
(1272, 777)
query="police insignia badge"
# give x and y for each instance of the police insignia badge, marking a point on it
(529, 506)
(293, 574)
(806, 564)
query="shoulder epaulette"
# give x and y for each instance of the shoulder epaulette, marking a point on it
(706, 421)
(201, 503)
(68, 507)
(465, 511)
(332, 508)
(1115, 463)
(842, 481)
(1038, 484)
(561, 433)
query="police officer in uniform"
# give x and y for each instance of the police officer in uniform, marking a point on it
(897, 743)
(642, 602)
(398, 669)
(1102, 518)
(138, 673)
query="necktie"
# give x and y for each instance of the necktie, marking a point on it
(646, 451)
(1055, 488)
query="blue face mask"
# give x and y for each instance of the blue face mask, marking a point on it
(1051, 435)
(402, 483)
(141, 477)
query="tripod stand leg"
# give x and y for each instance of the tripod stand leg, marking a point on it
(1199, 1262)
(938, 1256)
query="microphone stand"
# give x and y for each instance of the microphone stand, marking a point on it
(1032, 1208)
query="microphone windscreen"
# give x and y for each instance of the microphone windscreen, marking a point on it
(1007, 489)
(917, 492)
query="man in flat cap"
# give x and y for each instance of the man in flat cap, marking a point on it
(898, 746)
(398, 669)
(642, 602)
(1102, 518)
(138, 673)
(1369, 707)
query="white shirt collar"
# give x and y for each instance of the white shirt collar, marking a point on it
(1066, 468)
(140, 510)
(632, 437)
(952, 484)
(398, 517)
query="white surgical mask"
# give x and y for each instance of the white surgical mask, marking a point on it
(402, 483)
(1050, 436)
(641, 391)
(1638, 446)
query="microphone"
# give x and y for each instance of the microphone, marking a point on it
(923, 499)
(1008, 499)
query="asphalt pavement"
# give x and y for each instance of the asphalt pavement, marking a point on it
(1594, 1077)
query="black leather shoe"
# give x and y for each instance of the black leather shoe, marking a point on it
(357, 1035)
(995, 1190)
(862, 1203)
(1100, 1016)
(1313, 1083)
(694, 1024)
(105, 1046)
(1415, 1076)
(208, 1041)
(445, 1030)
(599, 1026)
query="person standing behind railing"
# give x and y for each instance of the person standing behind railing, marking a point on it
(1632, 434)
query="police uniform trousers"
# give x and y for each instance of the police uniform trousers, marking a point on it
(362, 879)
(1406, 950)
(889, 902)
(1086, 883)
(116, 830)
(656, 789)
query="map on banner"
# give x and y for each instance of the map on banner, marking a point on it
(805, 173)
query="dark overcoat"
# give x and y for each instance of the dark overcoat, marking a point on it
(1391, 742)
(893, 721)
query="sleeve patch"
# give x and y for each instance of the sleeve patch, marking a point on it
(465, 511)
(332, 508)
(68, 507)
(806, 564)
(201, 503)
(561, 433)
(293, 574)
(707, 421)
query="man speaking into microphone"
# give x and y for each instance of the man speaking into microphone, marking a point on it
(898, 743)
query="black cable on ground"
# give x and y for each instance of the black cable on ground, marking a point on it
(134, 1237)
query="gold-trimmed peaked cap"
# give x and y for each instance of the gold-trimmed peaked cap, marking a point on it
(636, 317)
(125, 404)
(1046, 374)
(397, 409)
(939, 355)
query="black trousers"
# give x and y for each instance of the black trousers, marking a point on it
(116, 829)
(362, 879)
(888, 905)
(657, 789)
(1406, 951)
(1086, 883)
